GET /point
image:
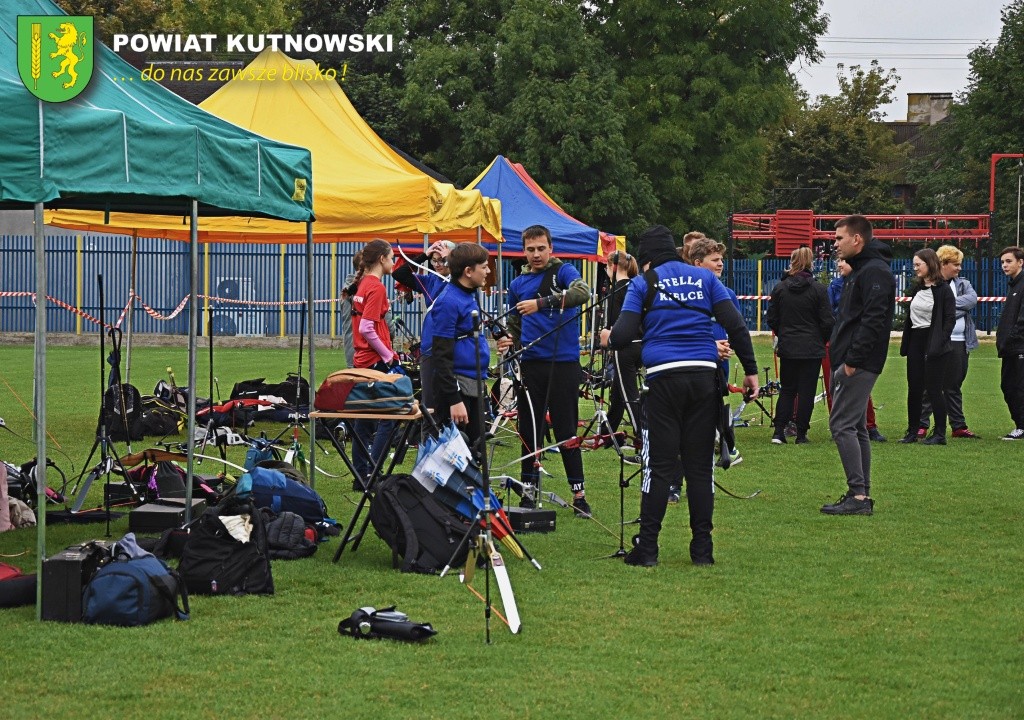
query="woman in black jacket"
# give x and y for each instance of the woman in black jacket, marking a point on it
(621, 268)
(800, 314)
(926, 330)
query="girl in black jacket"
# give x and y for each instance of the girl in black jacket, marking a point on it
(926, 330)
(621, 268)
(800, 314)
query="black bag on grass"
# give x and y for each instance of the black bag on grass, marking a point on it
(417, 528)
(122, 412)
(215, 561)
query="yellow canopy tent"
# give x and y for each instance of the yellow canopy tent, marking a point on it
(362, 189)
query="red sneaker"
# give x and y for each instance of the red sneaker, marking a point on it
(921, 432)
(965, 433)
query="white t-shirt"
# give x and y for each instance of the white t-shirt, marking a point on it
(921, 309)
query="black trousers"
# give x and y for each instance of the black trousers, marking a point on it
(925, 373)
(956, 373)
(1012, 383)
(550, 389)
(799, 378)
(682, 411)
(627, 369)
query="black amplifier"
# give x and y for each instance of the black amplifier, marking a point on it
(526, 520)
(65, 576)
(162, 514)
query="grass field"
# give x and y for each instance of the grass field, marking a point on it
(915, 612)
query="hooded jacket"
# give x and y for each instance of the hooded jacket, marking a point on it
(801, 316)
(1010, 332)
(860, 337)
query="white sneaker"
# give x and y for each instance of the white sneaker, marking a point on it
(1015, 434)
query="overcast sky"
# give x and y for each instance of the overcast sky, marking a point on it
(926, 41)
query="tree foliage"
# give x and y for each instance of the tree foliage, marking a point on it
(113, 17)
(185, 16)
(834, 155)
(524, 79)
(984, 121)
(706, 83)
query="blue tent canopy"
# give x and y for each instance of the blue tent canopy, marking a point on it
(522, 206)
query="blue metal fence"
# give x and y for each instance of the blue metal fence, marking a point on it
(270, 278)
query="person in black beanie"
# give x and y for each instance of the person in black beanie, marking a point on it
(675, 305)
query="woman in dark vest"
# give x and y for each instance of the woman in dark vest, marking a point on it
(926, 330)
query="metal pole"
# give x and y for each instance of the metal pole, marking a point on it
(193, 331)
(131, 303)
(40, 402)
(311, 458)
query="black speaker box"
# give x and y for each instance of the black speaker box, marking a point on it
(65, 576)
(165, 513)
(528, 520)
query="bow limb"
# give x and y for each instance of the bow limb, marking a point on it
(419, 265)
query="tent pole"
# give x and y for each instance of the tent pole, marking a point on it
(131, 302)
(40, 402)
(501, 278)
(312, 352)
(193, 325)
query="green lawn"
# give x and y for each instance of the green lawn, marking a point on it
(914, 612)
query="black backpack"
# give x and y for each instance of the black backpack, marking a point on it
(122, 412)
(423, 531)
(213, 562)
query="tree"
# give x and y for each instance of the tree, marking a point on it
(116, 17)
(706, 82)
(985, 120)
(838, 151)
(230, 16)
(521, 78)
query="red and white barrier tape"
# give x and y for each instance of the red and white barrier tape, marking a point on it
(992, 298)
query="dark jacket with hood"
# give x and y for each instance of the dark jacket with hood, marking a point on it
(800, 314)
(943, 320)
(860, 337)
(1010, 333)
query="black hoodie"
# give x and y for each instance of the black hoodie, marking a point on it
(860, 337)
(656, 246)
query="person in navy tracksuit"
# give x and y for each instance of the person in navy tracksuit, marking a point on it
(675, 306)
(448, 339)
(542, 319)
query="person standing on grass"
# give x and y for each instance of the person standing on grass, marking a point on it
(835, 291)
(1010, 340)
(372, 340)
(674, 306)
(542, 302)
(926, 331)
(859, 346)
(963, 340)
(801, 317)
(448, 336)
(625, 397)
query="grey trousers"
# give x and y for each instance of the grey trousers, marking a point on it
(848, 424)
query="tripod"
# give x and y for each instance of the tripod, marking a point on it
(109, 459)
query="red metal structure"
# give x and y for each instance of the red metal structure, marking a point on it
(790, 229)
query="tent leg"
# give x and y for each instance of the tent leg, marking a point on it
(40, 402)
(193, 326)
(311, 315)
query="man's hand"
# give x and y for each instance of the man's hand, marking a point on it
(751, 387)
(460, 416)
(504, 344)
(724, 350)
(849, 370)
(605, 333)
(527, 307)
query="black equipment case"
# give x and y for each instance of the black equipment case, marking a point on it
(526, 520)
(162, 514)
(65, 576)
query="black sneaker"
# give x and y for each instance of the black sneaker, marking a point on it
(801, 439)
(701, 552)
(875, 436)
(779, 438)
(641, 557)
(673, 495)
(934, 439)
(911, 437)
(1015, 434)
(581, 507)
(849, 505)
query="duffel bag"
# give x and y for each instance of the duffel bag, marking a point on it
(365, 390)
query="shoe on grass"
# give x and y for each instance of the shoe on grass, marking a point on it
(965, 433)
(640, 557)
(673, 495)
(922, 431)
(934, 439)
(875, 436)
(580, 506)
(910, 437)
(1015, 434)
(850, 505)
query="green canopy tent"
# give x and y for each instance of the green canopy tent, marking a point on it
(128, 145)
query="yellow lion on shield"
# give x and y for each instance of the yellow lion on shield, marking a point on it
(66, 42)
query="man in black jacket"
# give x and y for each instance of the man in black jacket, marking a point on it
(1010, 340)
(860, 343)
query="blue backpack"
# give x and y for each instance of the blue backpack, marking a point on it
(273, 489)
(134, 591)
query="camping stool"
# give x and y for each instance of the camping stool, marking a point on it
(404, 421)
